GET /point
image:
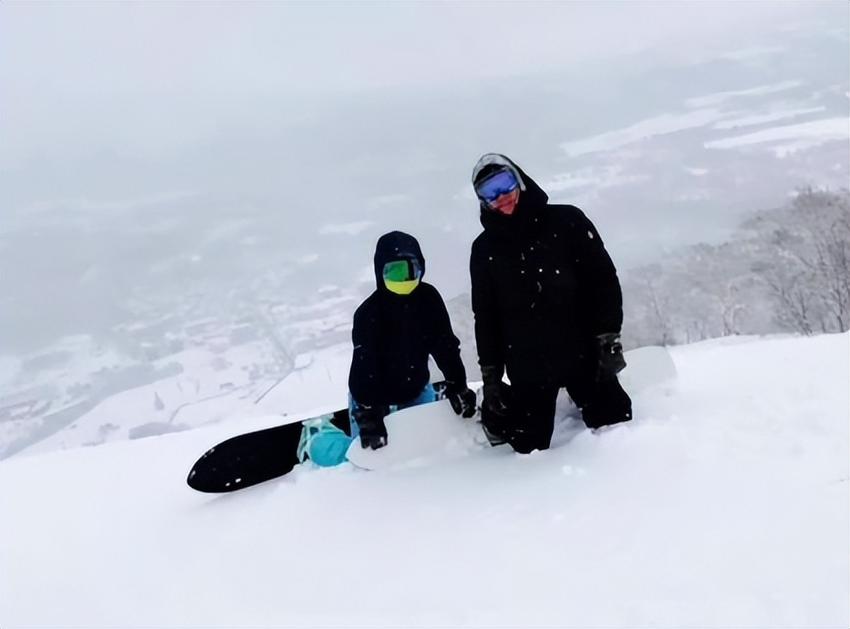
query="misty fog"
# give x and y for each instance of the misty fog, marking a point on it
(214, 175)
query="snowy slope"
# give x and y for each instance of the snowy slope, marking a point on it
(206, 396)
(725, 503)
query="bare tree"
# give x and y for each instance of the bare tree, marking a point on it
(806, 261)
(786, 269)
(829, 216)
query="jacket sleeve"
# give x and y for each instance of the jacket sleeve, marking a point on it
(599, 286)
(444, 346)
(363, 375)
(488, 338)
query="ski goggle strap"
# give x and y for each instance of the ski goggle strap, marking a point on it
(496, 185)
(402, 276)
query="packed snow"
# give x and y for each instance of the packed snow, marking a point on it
(724, 503)
(762, 118)
(720, 98)
(658, 125)
(795, 137)
(351, 229)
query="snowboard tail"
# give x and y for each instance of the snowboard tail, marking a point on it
(255, 457)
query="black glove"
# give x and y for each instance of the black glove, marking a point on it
(494, 399)
(370, 420)
(496, 420)
(462, 399)
(609, 356)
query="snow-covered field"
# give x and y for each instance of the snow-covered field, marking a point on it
(725, 503)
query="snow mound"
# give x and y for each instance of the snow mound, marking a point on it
(724, 503)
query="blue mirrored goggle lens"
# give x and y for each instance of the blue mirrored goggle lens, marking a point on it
(493, 187)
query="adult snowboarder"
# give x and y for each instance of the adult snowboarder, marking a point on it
(548, 308)
(395, 329)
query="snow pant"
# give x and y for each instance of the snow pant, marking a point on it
(428, 394)
(532, 409)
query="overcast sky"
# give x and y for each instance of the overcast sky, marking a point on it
(152, 148)
(73, 68)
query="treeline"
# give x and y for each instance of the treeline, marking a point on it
(785, 270)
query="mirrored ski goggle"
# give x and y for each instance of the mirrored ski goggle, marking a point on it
(402, 276)
(495, 186)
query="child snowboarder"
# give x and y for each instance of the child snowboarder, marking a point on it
(395, 330)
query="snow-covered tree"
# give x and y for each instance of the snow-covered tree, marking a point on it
(805, 261)
(784, 270)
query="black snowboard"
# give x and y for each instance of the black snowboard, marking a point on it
(252, 458)
(255, 457)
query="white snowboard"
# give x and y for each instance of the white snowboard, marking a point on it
(420, 434)
(423, 434)
(647, 367)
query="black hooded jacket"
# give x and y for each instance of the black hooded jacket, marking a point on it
(394, 334)
(542, 287)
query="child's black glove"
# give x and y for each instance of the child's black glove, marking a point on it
(370, 420)
(462, 399)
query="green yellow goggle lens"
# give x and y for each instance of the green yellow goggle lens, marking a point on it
(402, 276)
(401, 271)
